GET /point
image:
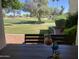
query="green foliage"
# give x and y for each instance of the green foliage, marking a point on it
(60, 23)
(14, 4)
(37, 8)
(26, 15)
(71, 24)
(11, 6)
(72, 20)
(7, 24)
(12, 28)
(63, 16)
(5, 3)
(71, 31)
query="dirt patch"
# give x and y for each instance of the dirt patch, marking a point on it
(14, 38)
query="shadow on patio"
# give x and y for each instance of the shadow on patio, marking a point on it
(37, 51)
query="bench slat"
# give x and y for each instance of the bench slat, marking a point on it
(34, 38)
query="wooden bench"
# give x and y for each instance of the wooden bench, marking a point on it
(64, 39)
(39, 38)
(34, 38)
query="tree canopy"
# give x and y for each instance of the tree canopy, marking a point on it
(40, 8)
(14, 4)
(37, 7)
(11, 6)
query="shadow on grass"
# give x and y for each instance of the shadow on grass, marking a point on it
(44, 31)
(48, 31)
(29, 22)
(7, 24)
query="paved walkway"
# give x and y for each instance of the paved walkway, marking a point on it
(14, 38)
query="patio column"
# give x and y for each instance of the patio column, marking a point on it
(73, 6)
(77, 39)
(2, 34)
(73, 9)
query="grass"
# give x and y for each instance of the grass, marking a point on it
(15, 20)
(12, 25)
(27, 25)
(61, 17)
(23, 29)
(58, 17)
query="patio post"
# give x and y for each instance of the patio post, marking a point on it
(2, 34)
(73, 8)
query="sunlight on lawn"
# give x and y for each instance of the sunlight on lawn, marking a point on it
(26, 28)
(12, 28)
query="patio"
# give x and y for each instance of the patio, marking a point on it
(39, 51)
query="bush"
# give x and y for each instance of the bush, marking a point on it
(60, 23)
(71, 31)
(71, 20)
(71, 24)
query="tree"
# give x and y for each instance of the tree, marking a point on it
(37, 8)
(12, 5)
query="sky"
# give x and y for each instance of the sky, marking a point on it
(64, 3)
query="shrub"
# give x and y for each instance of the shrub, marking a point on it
(60, 23)
(71, 31)
(71, 24)
(71, 20)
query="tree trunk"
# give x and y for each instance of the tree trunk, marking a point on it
(14, 13)
(39, 17)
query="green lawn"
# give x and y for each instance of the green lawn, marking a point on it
(26, 25)
(23, 25)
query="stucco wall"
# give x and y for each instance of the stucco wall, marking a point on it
(2, 35)
(73, 6)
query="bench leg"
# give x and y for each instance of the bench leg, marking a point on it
(24, 42)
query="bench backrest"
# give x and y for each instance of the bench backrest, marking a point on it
(63, 39)
(39, 38)
(34, 38)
